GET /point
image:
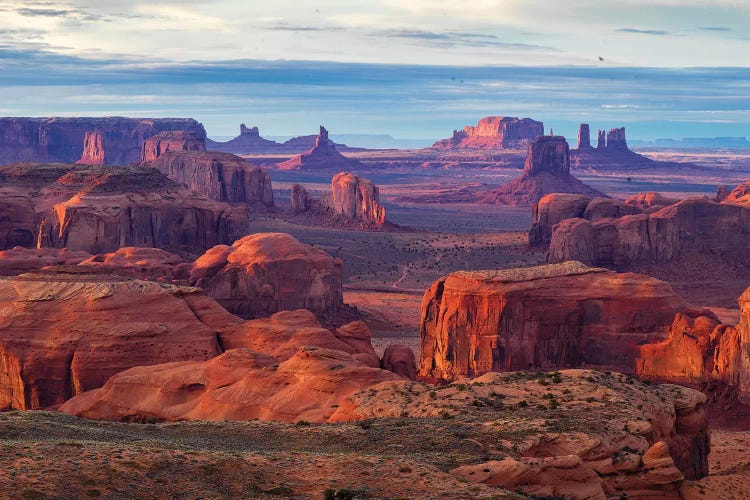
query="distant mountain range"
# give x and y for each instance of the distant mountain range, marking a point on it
(695, 143)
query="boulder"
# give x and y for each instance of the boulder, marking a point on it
(494, 132)
(264, 273)
(218, 176)
(544, 317)
(400, 360)
(61, 335)
(173, 140)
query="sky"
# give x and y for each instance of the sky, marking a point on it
(409, 68)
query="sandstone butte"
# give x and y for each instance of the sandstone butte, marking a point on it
(494, 132)
(554, 208)
(692, 227)
(98, 210)
(547, 170)
(264, 273)
(250, 142)
(173, 140)
(219, 176)
(322, 156)
(110, 141)
(353, 201)
(545, 317)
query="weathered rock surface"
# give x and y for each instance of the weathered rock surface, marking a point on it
(20, 260)
(62, 335)
(300, 199)
(248, 142)
(400, 360)
(650, 201)
(96, 210)
(322, 156)
(264, 273)
(175, 140)
(141, 263)
(116, 141)
(584, 136)
(494, 132)
(696, 226)
(94, 150)
(545, 317)
(547, 170)
(218, 176)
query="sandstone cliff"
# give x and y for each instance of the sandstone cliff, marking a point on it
(175, 140)
(268, 272)
(494, 132)
(545, 317)
(322, 156)
(219, 176)
(547, 170)
(116, 141)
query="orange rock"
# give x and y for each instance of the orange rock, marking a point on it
(142, 263)
(174, 140)
(20, 260)
(356, 198)
(400, 360)
(264, 273)
(62, 335)
(494, 132)
(94, 152)
(241, 384)
(543, 317)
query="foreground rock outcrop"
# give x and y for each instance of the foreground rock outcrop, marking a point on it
(97, 210)
(547, 170)
(545, 317)
(264, 273)
(175, 140)
(322, 156)
(494, 132)
(218, 176)
(20, 260)
(61, 335)
(108, 141)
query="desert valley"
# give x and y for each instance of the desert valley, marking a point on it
(498, 315)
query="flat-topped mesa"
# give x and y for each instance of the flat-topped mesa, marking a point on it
(94, 150)
(249, 132)
(356, 199)
(265, 273)
(173, 140)
(115, 140)
(219, 176)
(62, 335)
(584, 136)
(544, 317)
(494, 132)
(323, 156)
(547, 170)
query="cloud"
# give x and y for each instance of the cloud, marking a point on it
(643, 32)
(714, 28)
(458, 39)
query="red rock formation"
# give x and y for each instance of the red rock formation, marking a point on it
(616, 140)
(722, 193)
(740, 195)
(300, 199)
(743, 327)
(551, 210)
(356, 198)
(141, 263)
(494, 132)
(96, 209)
(323, 156)
(547, 170)
(238, 385)
(61, 140)
(698, 351)
(19, 260)
(175, 140)
(650, 201)
(264, 273)
(400, 360)
(696, 226)
(542, 317)
(62, 335)
(601, 140)
(94, 150)
(584, 136)
(219, 176)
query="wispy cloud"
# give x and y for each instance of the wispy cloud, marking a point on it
(714, 28)
(638, 31)
(458, 39)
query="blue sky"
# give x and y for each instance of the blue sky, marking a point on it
(411, 68)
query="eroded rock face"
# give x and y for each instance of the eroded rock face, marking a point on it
(495, 132)
(356, 198)
(743, 328)
(116, 141)
(650, 201)
(547, 170)
(400, 360)
(553, 209)
(300, 199)
(175, 140)
(219, 176)
(141, 263)
(62, 335)
(94, 151)
(544, 317)
(264, 273)
(96, 210)
(694, 226)
(584, 136)
(322, 156)
(20, 260)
